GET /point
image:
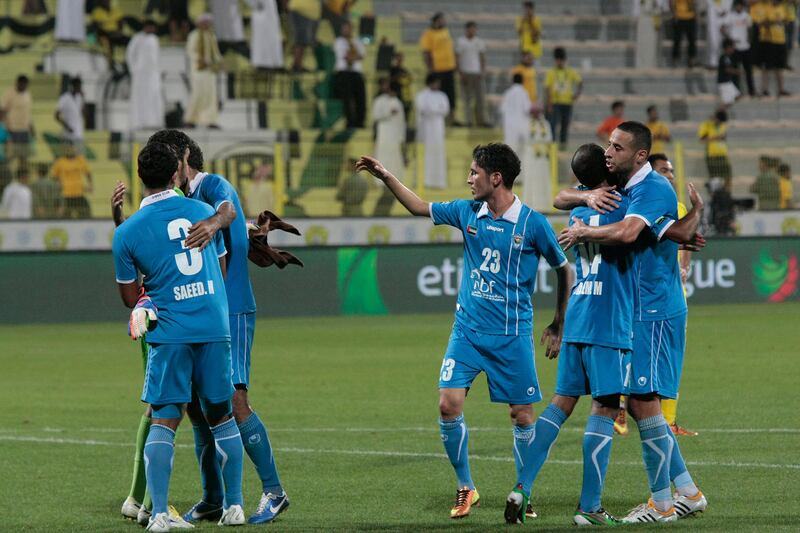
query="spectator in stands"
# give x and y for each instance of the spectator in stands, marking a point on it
(4, 136)
(529, 29)
(228, 25)
(471, 54)
(16, 202)
(260, 195)
(178, 20)
(516, 110)
(352, 191)
(787, 189)
(716, 10)
(70, 114)
(107, 24)
(266, 40)
(400, 81)
(714, 132)
(528, 72)
(17, 105)
(34, 7)
(563, 86)
(736, 26)
(659, 131)
(337, 12)
(684, 22)
(349, 85)
(440, 57)
(611, 122)
(767, 185)
(537, 191)
(48, 201)
(721, 209)
(390, 127)
(432, 108)
(790, 17)
(205, 61)
(304, 18)
(728, 75)
(146, 105)
(70, 170)
(769, 17)
(70, 23)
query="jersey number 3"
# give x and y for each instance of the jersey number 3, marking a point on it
(189, 262)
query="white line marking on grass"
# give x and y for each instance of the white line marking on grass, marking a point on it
(387, 453)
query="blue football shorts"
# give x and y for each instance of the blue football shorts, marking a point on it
(173, 369)
(242, 327)
(657, 359)
(591, 369)
(507, 361)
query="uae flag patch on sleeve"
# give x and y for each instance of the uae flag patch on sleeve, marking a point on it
(472, 230)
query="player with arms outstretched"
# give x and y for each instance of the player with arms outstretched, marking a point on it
(190, 344)
(503, 242)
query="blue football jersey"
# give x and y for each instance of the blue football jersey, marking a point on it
(600, 308)
(501, 260)
(215, 190)
(185, 284)
(659, 293)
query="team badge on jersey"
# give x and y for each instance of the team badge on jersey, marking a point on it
(472, 230)
(517, 241)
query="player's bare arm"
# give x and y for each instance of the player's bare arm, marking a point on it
(684, 230)
(129, 293)
(413, 203)
(625, 231)
(551, 337)
(201, 233)
(117, 199)
(602, 199)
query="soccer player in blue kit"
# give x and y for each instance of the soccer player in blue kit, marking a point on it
(659, 312)
(597, 343)
(190, 343)
(503, 242)
(229, 221)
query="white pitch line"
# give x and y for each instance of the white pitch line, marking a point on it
(388, 453)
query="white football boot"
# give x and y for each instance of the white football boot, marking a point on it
(232, 516)
(130, 508)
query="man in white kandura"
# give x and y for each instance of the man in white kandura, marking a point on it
(432, 109)
(205, 61)
(266, 43)
(146, 109)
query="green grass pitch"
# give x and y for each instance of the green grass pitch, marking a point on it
(351, 405)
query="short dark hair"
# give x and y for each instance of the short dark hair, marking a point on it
(727, 42)
(559, 53)
(157, 164)
(784, 170)
(589, 165)
(436, 16)
(470, 24)
(517, 78)
(528, 4)
(23, 78)
(431, 77)
(149, 22)
(179, 142)
(498, 157)
(651, 107)
(642, 138)
(617, 103)
(657, 157)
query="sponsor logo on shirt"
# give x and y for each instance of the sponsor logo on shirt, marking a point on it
(484, 289)
(494, 228)
(472, 230)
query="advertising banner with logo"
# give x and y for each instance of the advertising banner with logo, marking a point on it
(376, 280)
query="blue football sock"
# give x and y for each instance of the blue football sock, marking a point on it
(158, 453)
(455, 438)
(258, 448)
(228, 442)
(596, 452)
(678, 473)
(532, 444)
(657, 447)
(210, 472)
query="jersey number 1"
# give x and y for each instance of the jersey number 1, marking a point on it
(189, 262)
